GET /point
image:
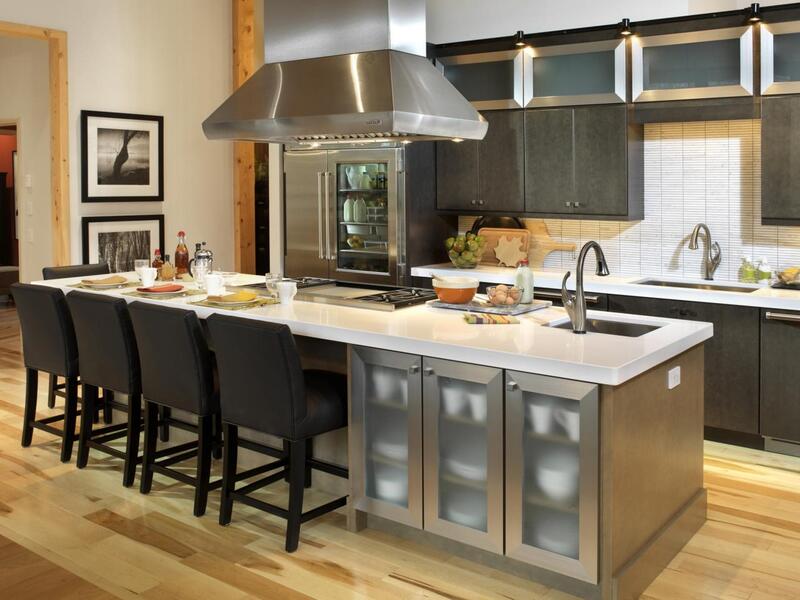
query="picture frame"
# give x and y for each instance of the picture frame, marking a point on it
(122, 157)
(121, 239)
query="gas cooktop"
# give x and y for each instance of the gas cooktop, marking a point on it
(373, 297)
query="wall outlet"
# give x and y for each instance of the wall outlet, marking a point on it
(28, 181)
(29, 207)
(674, 378)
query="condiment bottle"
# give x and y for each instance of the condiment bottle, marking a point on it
(348, 210)
(524, 281)
(747, 271)
(764, 272)
(181, 255)
(157, 262)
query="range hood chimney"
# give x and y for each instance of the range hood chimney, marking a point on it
(349, 70)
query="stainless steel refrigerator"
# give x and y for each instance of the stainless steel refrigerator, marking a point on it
(345, 214)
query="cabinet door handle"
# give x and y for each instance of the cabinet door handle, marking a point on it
(320, 216)
(428, 371)
(567, 204)
(413, 369)
(577, 205)
(512, 386)
(772, 316)
(480, 202)
(557, 296)
(473, 202)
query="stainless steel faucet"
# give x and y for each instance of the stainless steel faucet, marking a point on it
(710, 261)
(575, 304)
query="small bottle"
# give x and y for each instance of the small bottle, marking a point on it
(764, 274)
(524, 281)
(360, 211)
(157, 262)
(181, 255)
(348, 210)
(747, 271)
(167, 270)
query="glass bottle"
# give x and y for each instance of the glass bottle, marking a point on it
(157, 262)
(524, 281)
(181, 255)
(747, 271)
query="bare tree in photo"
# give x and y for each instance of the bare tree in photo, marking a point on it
(122, 155)
(121, 248)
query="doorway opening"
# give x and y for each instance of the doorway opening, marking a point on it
(261, 156)
(9, 242)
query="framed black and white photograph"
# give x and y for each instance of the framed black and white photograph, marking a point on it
(122, 157)
(120, 240)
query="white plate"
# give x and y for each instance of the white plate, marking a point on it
(104, 286)
(464, 470)
(162, 294)
(232, 304)
(391, 451)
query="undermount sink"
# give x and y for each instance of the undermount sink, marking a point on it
(716, 287)
(612, 327)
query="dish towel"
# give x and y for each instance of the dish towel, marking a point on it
(487, 319)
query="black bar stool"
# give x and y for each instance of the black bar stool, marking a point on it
(177, 373)
(109, 359)
(264, 388)
(48, 344)
(56, 388)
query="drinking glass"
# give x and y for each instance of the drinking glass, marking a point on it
(271, 280)
(139, 264)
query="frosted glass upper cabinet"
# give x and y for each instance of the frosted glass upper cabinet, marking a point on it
(699, 64)
(489, 80)
(571, 74)
(780, 58)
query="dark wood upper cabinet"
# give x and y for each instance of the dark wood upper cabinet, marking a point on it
(780, 394)
(731, 356)
(549, 161)
(484, 176)
(780, 160)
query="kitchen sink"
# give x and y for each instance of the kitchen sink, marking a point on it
(716, 287)
(612, 327)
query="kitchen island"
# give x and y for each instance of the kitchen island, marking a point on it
(572, 459)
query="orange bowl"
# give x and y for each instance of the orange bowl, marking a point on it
(455, 290)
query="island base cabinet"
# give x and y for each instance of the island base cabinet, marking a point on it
(463, 450)
(385, 434)
(780, 395)
(552, 471)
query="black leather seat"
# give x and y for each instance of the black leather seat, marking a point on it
(49, 345)
(178, 373)
(264, 388)
(109, 359)
(65, 272)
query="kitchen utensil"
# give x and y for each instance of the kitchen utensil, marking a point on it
(508, 251)
(481, 306)
(203, 257)
(148, 276)
(557, 475)
(467, 508)
(493, 236)
(465, 470)
(286, 291)
(557, 533)
(570, 420)
(455, 290)
(215, 284)
(391, 484)
(540, 413)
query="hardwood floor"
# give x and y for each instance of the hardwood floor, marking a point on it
(80, 534)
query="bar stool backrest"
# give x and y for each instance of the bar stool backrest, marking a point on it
(106, 342)
(48, 336)
(177, 365)
(75, 271)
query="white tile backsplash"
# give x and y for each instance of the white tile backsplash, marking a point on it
(699, 171)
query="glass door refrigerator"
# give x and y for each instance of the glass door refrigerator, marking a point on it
(345, 214)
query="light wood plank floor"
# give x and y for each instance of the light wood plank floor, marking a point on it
(84, 530)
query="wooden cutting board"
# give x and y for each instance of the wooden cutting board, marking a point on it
(541, 244)
(493, 237)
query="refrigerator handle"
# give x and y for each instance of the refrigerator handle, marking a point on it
(331, 254)
(319, 216)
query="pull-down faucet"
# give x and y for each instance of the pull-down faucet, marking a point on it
(575, 304)
(710, 261)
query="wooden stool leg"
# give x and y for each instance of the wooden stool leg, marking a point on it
(108, 412)
(231, 438)
(87, 410)
(70, 416)
(297, 480)
(287, 449)
(164, 413)
(150, 439)
(31, 390)
(217, 428)
(205, 443)
(132, 440)
(51, 391)
(309, 454)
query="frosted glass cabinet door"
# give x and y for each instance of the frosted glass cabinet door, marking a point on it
(573, 74)
(552, 492)
(385, 434)
(780, 58)
(699, 64)
(489, 80)
(463, 449)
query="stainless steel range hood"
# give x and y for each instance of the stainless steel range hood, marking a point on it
(343, 71)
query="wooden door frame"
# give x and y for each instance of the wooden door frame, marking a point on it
(59, 131)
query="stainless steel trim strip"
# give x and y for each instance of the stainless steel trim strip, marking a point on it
(328, 254)
(557, 296)
(321, 255)
(768, 84)
(773, 316)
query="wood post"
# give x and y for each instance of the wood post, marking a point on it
(244, 178)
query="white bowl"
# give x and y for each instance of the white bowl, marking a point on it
(391, 484)
(478, 404)
(557, 533)
(387, 385)
(455, 282)
(454, 399)
(467, 508)
(557, 475)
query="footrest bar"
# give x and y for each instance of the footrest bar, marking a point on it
(270, 508)
(257, 485)
(325, 508)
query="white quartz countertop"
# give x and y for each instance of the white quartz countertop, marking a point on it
(762, 297)
(528, 346)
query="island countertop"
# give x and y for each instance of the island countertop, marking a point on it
(529, 346)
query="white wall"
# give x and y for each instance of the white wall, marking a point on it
(458, 20)
(169, 58)
(24, 99)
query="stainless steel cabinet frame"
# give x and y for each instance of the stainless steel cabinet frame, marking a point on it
(618, 47)
(743, 88)
(361, 361)
(768, 33)
(585, 567)
(515, 98)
